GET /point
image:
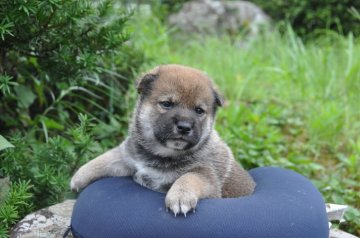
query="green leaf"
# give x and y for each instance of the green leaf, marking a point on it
(4, 143)
(5, 28)
(4, 189)
(25, 96)
(52, 124)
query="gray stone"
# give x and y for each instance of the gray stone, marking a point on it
(335, 212)
(50, 222)
(335, 233)
(219, 17)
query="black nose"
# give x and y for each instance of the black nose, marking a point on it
(183, 127)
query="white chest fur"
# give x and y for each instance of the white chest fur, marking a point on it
(153, 178)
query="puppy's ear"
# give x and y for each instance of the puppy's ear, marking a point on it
(219, 99)
(143, 85)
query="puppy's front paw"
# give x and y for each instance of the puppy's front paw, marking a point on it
(180, 201)
(78, 182)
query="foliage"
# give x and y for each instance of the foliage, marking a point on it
(17, 203)
(307, 17)
(54, 53)
(51, 163)
(289, 104)
(65, 72)
(44, 169)
(65, 97)
(166, 7)
(4, 143)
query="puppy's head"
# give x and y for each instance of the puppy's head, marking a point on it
(176, 109)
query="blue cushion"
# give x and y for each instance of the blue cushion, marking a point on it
(284, 204)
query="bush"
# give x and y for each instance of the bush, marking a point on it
(65, 72)
(17, 204)
(56, 57)
(309, 16)
(42, 170)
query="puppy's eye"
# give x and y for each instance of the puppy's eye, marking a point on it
(166, 104)
(199, 110)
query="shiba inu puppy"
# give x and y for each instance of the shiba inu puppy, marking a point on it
(172, 145)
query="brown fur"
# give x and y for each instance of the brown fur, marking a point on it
(183, 84)
(187, 166)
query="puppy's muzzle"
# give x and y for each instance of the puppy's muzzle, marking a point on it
(184, 127)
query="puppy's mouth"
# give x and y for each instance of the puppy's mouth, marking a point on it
(176, 141)
(178, 144)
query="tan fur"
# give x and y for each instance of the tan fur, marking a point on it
(185, 85)
(155, 158)
(111, 163)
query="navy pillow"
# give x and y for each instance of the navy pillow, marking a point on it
(284, 204)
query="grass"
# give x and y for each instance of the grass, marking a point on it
(288, 103)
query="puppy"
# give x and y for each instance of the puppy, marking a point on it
(172, 146)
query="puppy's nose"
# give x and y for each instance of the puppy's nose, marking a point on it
(183, 127)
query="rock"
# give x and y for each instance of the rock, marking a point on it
(335, 233)
(50, 222)
(219, 17)
(335, 212)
